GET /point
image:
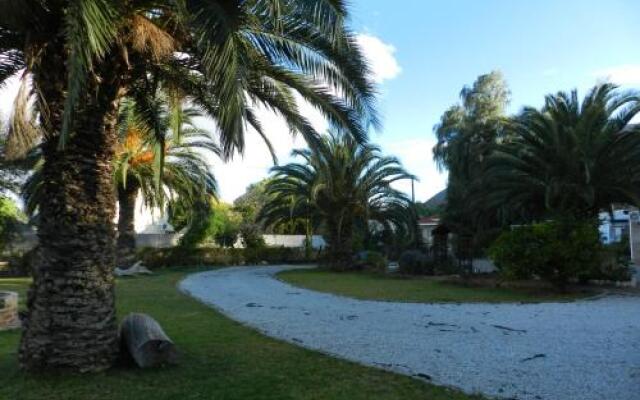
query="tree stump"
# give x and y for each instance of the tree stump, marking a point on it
(143, 338)
(9, 311)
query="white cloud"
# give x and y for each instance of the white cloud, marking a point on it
(626, 75)
(381, 56)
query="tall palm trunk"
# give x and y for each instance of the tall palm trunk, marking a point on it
(71, 322)
(340, 243)
(126, 250)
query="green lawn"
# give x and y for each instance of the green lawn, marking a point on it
(362, 285)
(220, 360)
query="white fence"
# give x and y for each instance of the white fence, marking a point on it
(166, 240)
(317, 241)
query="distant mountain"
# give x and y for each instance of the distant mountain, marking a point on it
(433, 207)
(438, 200)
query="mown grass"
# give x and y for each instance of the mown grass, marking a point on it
(220, 360)
(362, 285)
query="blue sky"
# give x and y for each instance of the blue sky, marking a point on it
(540, 46)
(424, 51)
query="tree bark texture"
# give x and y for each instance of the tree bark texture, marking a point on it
(71, 323)
(126, 245)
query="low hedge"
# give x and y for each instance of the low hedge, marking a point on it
(216, 256)
(371, 261)
(414, 262)
(556, 251)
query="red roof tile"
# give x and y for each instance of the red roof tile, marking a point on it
(429, 221)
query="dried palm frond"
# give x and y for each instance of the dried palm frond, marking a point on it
(24, 132)
(147, 37)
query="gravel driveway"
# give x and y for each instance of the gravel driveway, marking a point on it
(583, 350)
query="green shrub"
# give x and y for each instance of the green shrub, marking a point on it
(613, 270)
(556, 251)
(616, 263)
(216, 256)
(449, 266)
(197, 229)
(211, 221)
(251, 236)
(10, 219)
(372, 261)
(414, 262)
(517, 253)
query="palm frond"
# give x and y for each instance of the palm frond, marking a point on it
(24, 132)
(91, 26)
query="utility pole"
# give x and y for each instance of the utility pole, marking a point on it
(413, 192)
(417, 239)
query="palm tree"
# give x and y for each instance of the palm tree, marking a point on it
(571, 159)
(185, 174)
(185, 178)
(78, 59)
(340, 186)
(466, 135)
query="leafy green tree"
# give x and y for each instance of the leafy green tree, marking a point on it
(467, 134)
(194, 218)
(570, 159)
(224, 224)
(251, 235)
(10, 218)
(82, 57)
(212, 221)
(252, 201)
(248, 206)
(341, 187)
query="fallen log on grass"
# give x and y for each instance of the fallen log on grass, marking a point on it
(136, 269)
(143, 338)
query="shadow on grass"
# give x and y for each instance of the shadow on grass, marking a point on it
(220, 359)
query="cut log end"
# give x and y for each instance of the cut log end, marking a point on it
(9, 311)
(145, 341)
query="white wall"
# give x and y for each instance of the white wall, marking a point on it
(148, 220)
(317, 241)
(157, 240)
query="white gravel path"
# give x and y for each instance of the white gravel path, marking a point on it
(584, 350)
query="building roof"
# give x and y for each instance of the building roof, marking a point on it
(429, 220)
